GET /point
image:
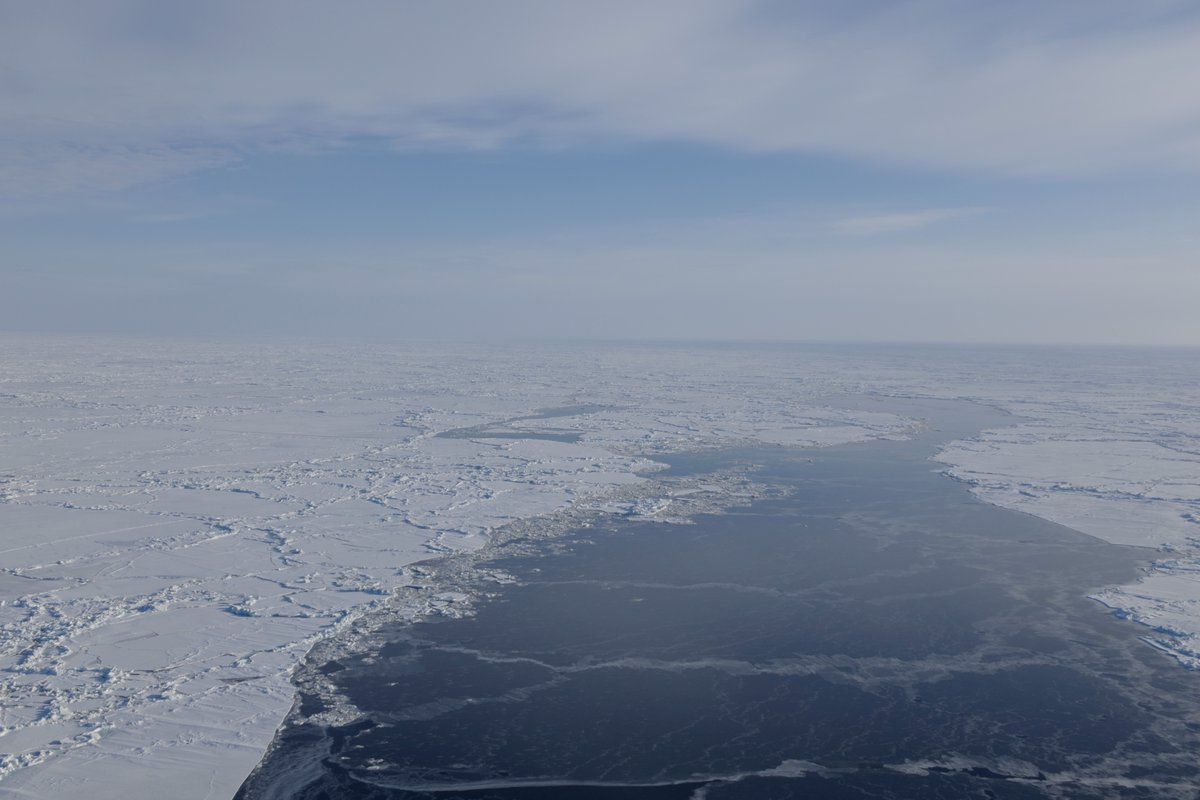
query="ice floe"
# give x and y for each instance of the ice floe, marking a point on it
(1108, 445)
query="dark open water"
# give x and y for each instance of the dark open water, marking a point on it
(877, 633)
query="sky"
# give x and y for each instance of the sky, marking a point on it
(851, 170)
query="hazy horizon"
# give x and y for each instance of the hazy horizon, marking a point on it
(342, 340)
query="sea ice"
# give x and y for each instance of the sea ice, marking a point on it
(182, 522)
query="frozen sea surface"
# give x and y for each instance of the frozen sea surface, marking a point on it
(182, 522)
(864, 629)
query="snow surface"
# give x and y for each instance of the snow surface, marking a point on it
(181, 522)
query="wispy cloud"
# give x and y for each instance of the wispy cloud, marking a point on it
(899, 222)
(171, 217)
(104, 95)
(222, 205)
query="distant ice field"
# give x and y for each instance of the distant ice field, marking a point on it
(181, 522)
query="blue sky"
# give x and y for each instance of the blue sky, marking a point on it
(708, 169)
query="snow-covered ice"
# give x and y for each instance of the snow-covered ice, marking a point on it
(181, 522)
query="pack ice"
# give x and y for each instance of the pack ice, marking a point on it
(181, 522)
